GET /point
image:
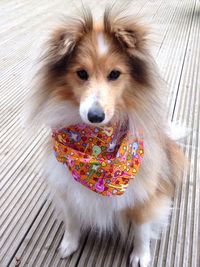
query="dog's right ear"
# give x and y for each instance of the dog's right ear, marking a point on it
(64, 41)
(54, 63)
(61, 47)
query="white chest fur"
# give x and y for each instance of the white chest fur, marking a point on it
(93, 210)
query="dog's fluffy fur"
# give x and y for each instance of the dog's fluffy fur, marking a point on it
(62, 98)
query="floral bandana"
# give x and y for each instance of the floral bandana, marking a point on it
(103, 159)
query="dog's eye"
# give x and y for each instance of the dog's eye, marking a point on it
(83, 75)
(114, 75)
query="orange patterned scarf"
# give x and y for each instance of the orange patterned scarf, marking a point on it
(103, 159)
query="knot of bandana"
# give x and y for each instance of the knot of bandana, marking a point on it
(103, 159)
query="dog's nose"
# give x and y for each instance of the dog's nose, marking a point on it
(96, 114)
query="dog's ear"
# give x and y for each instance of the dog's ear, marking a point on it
(64, 41)
(55, 60)
(126, 31)
(132, 38)
(60, 50)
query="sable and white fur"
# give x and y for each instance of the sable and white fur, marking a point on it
(61, 98)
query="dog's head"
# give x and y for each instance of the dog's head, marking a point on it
(99, 70)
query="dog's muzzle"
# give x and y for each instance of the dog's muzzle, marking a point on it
(96, 114)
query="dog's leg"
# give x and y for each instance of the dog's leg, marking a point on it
(140, 255)
(58, 182)
(70, 241)
(148, 219)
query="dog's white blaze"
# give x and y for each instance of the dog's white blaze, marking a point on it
(102, 45)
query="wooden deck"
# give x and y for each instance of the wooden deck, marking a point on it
(29, 232)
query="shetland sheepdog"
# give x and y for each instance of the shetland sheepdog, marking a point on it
(101, 75)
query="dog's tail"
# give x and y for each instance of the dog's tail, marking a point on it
(178, 132)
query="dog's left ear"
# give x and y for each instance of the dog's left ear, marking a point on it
(128, 33)
(132, 38)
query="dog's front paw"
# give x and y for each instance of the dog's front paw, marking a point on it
(141, 259)
(68, 246)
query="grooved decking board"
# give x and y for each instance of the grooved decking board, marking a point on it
(29, 230)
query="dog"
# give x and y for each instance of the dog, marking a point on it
(98, 81)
